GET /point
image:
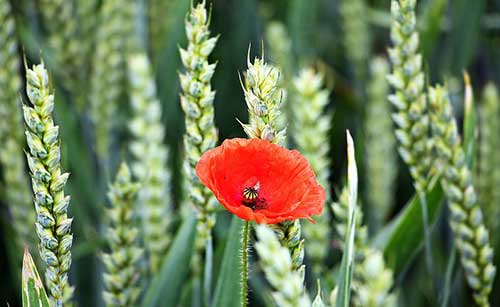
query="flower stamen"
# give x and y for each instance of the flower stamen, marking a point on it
(251, 198)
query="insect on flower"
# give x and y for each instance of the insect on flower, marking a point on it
(260, 181)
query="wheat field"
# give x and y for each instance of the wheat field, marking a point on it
(214, 153)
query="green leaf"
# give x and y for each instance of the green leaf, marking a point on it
(166, 287)
(318, 301)
(431, 21)
(228, 284)
(347, 264)
(34, 294)
(403, 238)
(470, 124)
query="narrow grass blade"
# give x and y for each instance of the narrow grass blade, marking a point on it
(34, 294)
(470, 124)
(166, 287)
(347, 264)
(228, 283)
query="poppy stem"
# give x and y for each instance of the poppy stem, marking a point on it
(244, 263)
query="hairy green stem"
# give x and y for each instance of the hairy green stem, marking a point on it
(245, 236)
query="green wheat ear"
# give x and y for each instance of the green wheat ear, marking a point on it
(489, 159)
(466, 219)
(380, 145)
(17, 189)
(280, 270)
(197, 102)
(108, 80)
(279, 47)
(121, 263)
(409, 99)
(160, 22)
(53, 225)
(61, 24)
(151, 158)
(356, 38)
(311, 126)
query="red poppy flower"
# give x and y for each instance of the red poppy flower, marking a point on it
(261, 181)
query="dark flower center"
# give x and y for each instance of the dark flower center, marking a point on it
(251, 198)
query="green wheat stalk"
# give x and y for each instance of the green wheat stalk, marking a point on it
(17, 189)
(53, 225)
(151, 158)
(311, 126)
(380, 144)
(122, 275)
(489, 158)
(466, 219)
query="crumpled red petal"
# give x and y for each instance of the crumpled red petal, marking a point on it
(288, 185)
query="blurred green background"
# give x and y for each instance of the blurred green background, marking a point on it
(456, 35)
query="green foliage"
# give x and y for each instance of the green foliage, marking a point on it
(348, 262)
(403, 237)
(165, 286)
(33, 291)
(228, 282)
(105, 117)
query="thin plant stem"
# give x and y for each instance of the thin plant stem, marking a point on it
(207, 278)
(427, 235)
(244, 263)
(448, 275)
